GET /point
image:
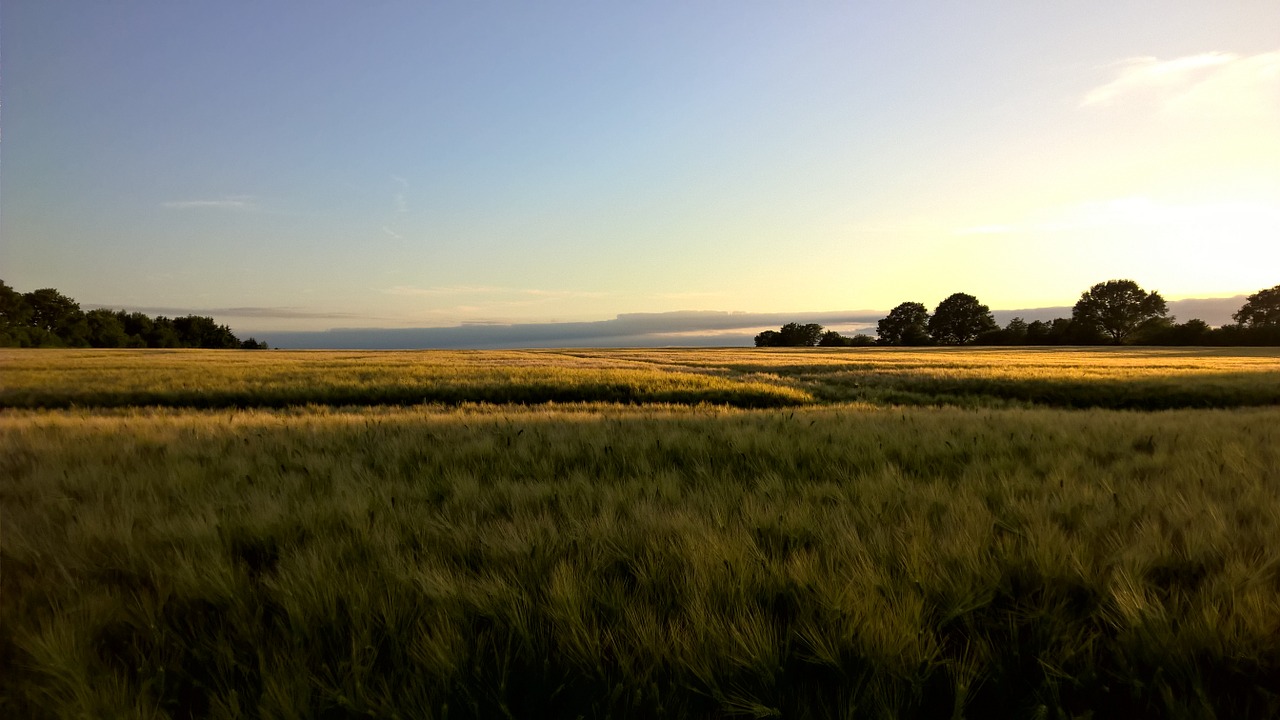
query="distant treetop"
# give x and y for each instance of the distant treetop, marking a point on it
(1118, 308)
(47, 318)
(959, 320)
(1115, 311)
(1261, 309)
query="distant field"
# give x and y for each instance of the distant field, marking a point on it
(211, 378)
(1116, 378)
(924, 533)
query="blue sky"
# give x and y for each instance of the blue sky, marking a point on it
(305, 165)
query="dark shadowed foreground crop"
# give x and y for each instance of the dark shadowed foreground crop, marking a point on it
(601, 561)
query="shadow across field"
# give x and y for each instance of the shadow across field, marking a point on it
(619, 391)
(1201, 390)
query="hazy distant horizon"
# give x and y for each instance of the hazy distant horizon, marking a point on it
(670, 329)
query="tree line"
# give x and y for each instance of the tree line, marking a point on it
(47, 318)
(1110, 313)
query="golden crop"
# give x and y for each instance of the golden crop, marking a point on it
(977, 554)
(745, 377)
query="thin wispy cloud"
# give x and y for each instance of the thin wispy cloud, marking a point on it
(1212, 81)
(289, 313)
(489, 290)
(392, 233)
(400, 197)
(1148, 72)
(230, 202)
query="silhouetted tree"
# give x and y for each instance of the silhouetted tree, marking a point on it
(133, 325)
(1256, 335)
(203, 332)
(146, 331)
(831, 338)
(797, 335)
(1062, 331)
(1038, 333)
(58, 317)
(769, 338)
(15, 318)
(163, 334)
(1191, 332)
(14, 311)
(1118, 308)
(51, 309)
(1066, 331)
(906, 324)
(1261, 309)
(1016, 331)
(791, 335)
(960, 319)
(105, 329)
(1152, 331)
(47, 317)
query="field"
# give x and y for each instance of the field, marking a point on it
(656, 533)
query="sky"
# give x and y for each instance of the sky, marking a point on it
(300, 166)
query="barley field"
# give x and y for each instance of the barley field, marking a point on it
(1144, 379)
(714, 533)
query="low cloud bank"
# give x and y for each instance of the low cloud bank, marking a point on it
(628, 330)
(1215, 311)
(671, 329)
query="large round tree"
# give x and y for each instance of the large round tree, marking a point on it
(1260, 309)
(907, 324)
(1118, 307)
(960, 319)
